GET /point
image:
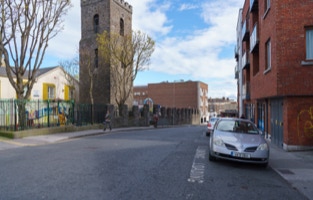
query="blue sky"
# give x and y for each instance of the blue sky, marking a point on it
(195, 40)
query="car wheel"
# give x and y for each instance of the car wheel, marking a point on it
(211, 158)
(264, 165)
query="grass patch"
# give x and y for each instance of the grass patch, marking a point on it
(8, 135)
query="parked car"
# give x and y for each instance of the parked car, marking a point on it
(210, 125)
(238, 140)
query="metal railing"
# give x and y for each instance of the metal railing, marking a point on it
(39, 113)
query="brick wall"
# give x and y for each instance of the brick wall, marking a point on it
(284, 24)
(298, 121)
(179, 94)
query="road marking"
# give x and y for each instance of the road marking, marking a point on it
(198, 166)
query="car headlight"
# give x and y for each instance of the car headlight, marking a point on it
(218, 142)
(263, 147)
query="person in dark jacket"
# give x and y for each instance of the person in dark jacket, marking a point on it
(107, 121)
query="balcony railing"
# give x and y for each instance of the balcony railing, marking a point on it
(254, 39)
(245, 30)
(245, 60)
(236, 52)
(237, 72)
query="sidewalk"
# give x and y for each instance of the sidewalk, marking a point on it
(295, 167)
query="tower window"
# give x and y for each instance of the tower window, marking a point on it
(96, 23)
(121, 27)
(96, 58)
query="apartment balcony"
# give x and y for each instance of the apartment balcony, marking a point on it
(245, 31)
(236, 52)
(237, 72)
(254, 5)
(246, 91)
(245, 61)
(254, 40)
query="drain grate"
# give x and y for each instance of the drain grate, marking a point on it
(285, 171)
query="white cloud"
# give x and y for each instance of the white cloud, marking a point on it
(187, 6)
(65, 45)
(150, 17)
(200, 55)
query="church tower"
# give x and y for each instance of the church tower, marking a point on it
(97, 16)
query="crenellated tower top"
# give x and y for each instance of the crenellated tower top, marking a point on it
(125, 4)
(122, 3)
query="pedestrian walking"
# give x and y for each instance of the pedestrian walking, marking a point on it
(107, 121)
(155, 120)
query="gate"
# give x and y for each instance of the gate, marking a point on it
(277, 124)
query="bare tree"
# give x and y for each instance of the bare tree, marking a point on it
(126, 55)
(71, 73)
(87, 60)
(26, 27)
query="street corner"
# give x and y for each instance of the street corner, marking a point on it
(14, 143)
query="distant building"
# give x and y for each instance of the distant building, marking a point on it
(274, 55)
(51, 83)
(222, 107)
(183, 94)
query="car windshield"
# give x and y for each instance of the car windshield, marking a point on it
(237, 126)
(213, 119)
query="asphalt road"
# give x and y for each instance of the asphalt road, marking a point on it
(165, 164)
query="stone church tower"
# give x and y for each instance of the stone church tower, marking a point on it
(97, 16)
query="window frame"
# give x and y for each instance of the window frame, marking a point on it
(122, 27)
(267, 6)
(96, 23)
(96, 58)
(309, 43)
(51, 92)
(68, 92)
(268, 55)
(47, 93)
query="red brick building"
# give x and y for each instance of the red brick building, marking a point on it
(184, 94)
(274, 56)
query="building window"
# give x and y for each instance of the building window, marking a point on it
(309, 43)
(51, 92)
(96, 23)
(48, 91)
(68, 92)
(267, 5)
(121, 27)
(268, 55)
(96, 58)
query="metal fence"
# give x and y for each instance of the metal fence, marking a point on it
(39, 113)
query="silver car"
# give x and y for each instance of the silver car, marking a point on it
(238, 140)
(210, 125)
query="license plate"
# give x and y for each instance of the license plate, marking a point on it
(240, 155)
